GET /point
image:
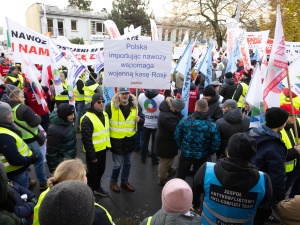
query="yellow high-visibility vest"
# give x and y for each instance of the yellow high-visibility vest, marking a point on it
(100, 136)
(119, 127)
(23, 149)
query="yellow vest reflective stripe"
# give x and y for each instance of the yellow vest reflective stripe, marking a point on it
(289, 165)
(14, 79)
(78, 97)
(25, 134)
(244, 92)
(100, 137)
(23, 149)
(89, 91)
(107, 213)
(60, 97)
(119, 127)
(149, 220)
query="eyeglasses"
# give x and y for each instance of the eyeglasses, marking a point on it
(101, 101)
(124, 93)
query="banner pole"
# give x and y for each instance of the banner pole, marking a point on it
(293, 109)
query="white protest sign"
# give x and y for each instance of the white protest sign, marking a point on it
(178, 51)
(137, 64)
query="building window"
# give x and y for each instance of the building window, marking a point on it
(97, 27)
(60, 26)
(74, 25)
(50, 25)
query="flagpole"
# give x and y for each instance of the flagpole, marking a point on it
(137, 107)
(293, 109)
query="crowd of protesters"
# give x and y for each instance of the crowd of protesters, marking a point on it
(243, 174)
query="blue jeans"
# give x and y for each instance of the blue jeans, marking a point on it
(80, 109)
(139, 137)
(22, 179)
(39, 164)
(147, 132)
(124, 161)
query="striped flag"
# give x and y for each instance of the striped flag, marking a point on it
(277, 68)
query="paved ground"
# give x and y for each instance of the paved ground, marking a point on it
(129, 208)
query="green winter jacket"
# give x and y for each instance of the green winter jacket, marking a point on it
(61, 141)
(163, 218)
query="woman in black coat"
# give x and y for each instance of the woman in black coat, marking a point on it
(165, 146)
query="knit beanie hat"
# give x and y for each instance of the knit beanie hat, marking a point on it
(64, 110)
(12, 68)
(69, 202)
(228, 75)
(94, 75)
(96, 97)
(2, 60)
(5, 110)
(276, 117)
(176, 196)
(241, 146)
(209, 91)
(178, 103)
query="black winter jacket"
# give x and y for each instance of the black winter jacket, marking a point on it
(239, 89)
(227, 89)
(214, 110)
(87, 128)
(165, 144)
(270, 157)
(234, 174)
(61, 141)
(232, 122)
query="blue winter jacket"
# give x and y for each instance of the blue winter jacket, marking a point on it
(197, 136)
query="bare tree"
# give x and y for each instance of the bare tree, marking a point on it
(210, 16)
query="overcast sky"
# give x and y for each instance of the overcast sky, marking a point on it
(15, 9)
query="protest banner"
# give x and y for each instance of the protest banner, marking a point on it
(244, 50)
(232, 30)
(257, 40)
(132, 64)
(35, 46)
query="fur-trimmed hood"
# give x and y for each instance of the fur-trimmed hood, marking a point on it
(116, 101)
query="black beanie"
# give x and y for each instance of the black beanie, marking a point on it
(228, 75)
(64, 110)
(209, 91)
(94, 75)
(241, 146)
(276, 117)
(69, 202)
(96, 97)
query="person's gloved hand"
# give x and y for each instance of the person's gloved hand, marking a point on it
(33, 159)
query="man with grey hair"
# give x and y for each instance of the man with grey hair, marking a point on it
(197, 137)
(232, 122)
